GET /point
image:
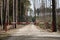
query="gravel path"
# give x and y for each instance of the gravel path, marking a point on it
(34, 31)
(31, 32)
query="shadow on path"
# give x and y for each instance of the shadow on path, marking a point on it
(23, 37)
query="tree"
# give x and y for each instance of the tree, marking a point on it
(25, 5)
(54, 29)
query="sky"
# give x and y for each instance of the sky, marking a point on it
(31, 4)
(38, 3)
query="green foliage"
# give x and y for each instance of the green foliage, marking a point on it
(21, 8)
(22, 4)
(26, 2)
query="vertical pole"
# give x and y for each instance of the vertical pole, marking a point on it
(54, 16)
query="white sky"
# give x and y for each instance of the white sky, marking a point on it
(38, 3)
(31, 4)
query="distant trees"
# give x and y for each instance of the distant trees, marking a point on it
(49, 10)
(38, 11)
(7, 10)
(58, 10)
(24, 6)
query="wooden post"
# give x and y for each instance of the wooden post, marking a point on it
(54, 29)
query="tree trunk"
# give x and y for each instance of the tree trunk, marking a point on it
(14, 14)
(2, 13)
(54, 29)
(16, 11)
